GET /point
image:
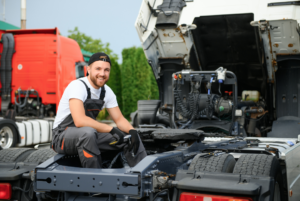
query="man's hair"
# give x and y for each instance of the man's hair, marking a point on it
(99, 56)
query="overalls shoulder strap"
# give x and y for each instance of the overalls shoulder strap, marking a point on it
(102, 94)
(88, 90)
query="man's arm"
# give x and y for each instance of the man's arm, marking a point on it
(119, 119)
(81, 120)
(126, 127)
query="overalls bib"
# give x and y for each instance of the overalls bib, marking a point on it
(92, 108)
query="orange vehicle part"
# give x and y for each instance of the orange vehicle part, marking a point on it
(43, 61)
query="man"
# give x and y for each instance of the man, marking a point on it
(75, 129)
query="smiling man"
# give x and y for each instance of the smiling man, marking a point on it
(76, 131)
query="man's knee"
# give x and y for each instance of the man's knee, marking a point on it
(89, 133)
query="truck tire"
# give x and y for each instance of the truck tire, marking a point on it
(40, 156)
(263, 165)
(221, 163)
(8, 136)
(15, 154)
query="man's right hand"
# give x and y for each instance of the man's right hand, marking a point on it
(120, 134)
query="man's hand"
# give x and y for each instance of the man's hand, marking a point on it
(119, 119)
(120, 134)
(135, 141)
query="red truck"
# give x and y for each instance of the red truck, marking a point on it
(36, 67)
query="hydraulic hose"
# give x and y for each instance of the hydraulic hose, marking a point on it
(38, 102)
(114, 160)
(193, 99)
(193, 102)
(188, 123)
(37, 96)
(182, 108)
(220, 89)
(20, 105)
(209, 106)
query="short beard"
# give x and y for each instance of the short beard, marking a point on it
(94, 80)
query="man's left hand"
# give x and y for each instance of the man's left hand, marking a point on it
(135, 141)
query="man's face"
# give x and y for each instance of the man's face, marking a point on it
(99, 73)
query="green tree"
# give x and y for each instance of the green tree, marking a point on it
(128, 80)
(137, 79)
(89, 44)
(142, 85)
(96, 45)
(115, 82)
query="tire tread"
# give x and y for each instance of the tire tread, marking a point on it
(12, 154)
(40, 156)
(254, 164)
(210, 164)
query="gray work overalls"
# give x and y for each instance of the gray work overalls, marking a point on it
(86, 141)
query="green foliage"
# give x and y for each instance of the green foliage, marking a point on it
(102, 115)
(145, 84)
(89, 44)
(114, 81)
(137, 79)
(128, 80)
(142, 85)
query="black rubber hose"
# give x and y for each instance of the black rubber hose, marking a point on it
(20, 105)
(37, 96)
(209, 108)
(188, 123)
(3, 64)
(220, 89)
(114, 160)
(159, 193)
(182, 108)
(8, 66)
(191, 102)
(202, 112)
(38, 102)
(193, 107)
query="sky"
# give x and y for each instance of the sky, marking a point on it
(112, 21)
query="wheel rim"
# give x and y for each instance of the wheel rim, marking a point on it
(6, 137)
(277, 192)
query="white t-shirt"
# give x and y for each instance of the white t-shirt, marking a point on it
(76, 89)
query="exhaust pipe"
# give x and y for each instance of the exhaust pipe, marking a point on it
(23, 14)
